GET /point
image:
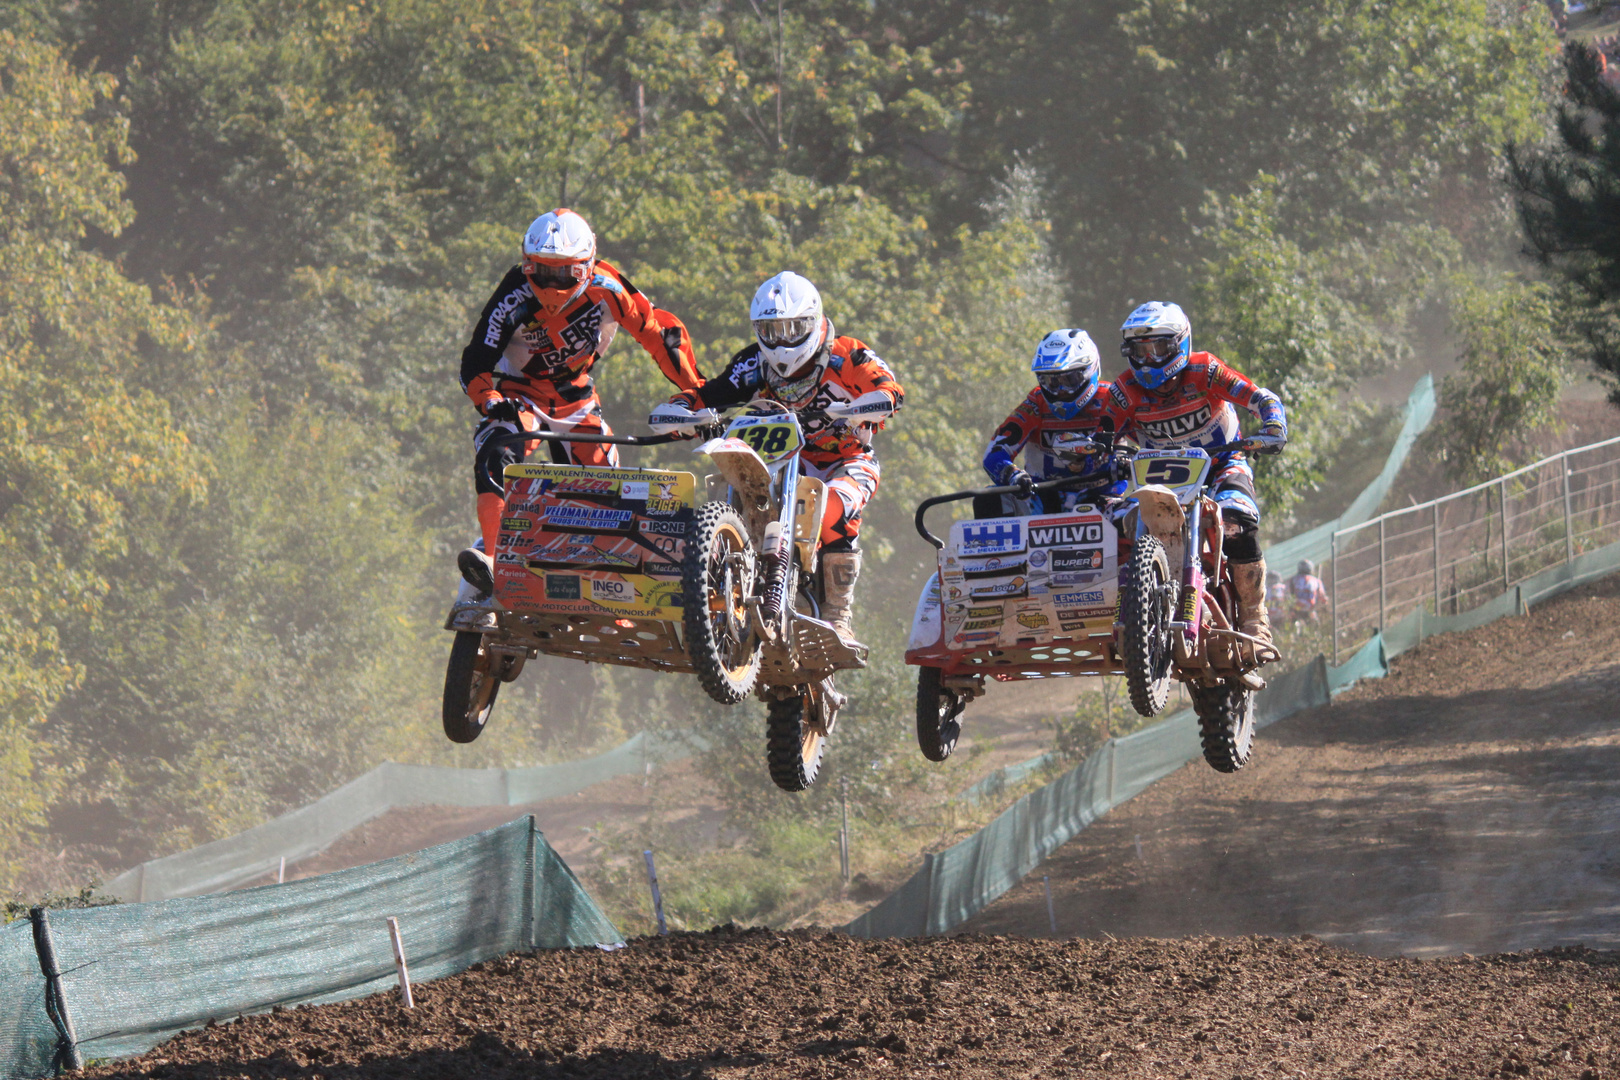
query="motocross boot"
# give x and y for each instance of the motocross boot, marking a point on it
(840, 570)
(1249, 583)
(477, 569)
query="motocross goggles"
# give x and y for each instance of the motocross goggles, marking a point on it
(544, 275)
(1064, 385)
(780, 333)
(1152, 351)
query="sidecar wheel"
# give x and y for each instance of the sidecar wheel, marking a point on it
(793, 745)
(1146, 605)
(722, 647)
(938, 711)
(1225, 725)
(472, 679)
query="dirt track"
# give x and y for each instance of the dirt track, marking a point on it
(762, 1004)
(1470, 802)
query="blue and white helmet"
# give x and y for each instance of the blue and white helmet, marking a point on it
(1157, 340)
(1067, 366)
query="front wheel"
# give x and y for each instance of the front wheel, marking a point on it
(1146, 605)
(938, 710)
(1225, 725)
(471, 681)
(795, 739)
(717, 581)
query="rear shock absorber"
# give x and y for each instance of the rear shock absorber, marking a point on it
(773, 556)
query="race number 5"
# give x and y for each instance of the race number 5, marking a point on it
(1171, 472)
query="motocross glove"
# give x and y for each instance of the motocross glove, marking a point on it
(1018, 478)
(505, 410)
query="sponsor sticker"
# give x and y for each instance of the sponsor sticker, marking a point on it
(1037, 559)
(663, 506)
(1079, 599)
(1059, 534)
(588, 517)
(1071, 626)
(585, 485)
(1034, 620)
(992, 537)
(612, 590)
(957, 609)
(510, 557)
(562, 587)
(1015, 587)
(984, 612)
(1071, 561)
(953, 592)
(1075, 579)
(633, 489)
(664, 528)
(516, 524)
(982, 624)
(980, 636)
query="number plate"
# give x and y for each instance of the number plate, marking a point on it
(772, 437)
(1182, 471)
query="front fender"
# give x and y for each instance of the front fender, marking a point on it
(742, 468)
(1160, 511)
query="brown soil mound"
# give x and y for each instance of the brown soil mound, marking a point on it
(760, 1003)
(1469, 802)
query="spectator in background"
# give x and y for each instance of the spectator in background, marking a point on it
(1307, 596)
(1276, 591)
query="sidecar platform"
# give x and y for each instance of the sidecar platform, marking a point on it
(1022, 598)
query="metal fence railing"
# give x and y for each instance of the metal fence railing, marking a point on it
(1451, 553)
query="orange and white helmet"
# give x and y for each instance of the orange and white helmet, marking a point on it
(559, 257)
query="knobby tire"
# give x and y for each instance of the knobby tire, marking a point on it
(1225, 725)
(793, 749)
(470, 687)
(939, 710)
(1146, 605)
(716, 531)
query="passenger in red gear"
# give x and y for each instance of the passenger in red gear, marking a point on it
(528, 365)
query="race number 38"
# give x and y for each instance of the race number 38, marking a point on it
(770, 440)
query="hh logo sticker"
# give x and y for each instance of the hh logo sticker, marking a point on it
(1046, 536)
(562, 587)
(997, 536)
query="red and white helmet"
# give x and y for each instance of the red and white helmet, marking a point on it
(792, 333)
(559, 257)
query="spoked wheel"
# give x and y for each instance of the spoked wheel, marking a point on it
(795, 739)
(938, 709)
(1225, 724)
(717, 580)
(471, 681)
(1146, 605)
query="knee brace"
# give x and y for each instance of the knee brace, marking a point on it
(1242, 546)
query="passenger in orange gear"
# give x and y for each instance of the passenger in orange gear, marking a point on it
(528, 365)
(842, 393)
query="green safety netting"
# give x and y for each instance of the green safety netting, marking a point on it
(135, 974)
(960, 881)
(236, 860)
(1316, 544)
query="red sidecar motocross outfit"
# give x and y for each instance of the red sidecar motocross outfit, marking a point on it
(1198, 410)
(516, 351)
(1030, 427)
(837, 452)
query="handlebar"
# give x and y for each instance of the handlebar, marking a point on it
(997, 489)
(507, 438)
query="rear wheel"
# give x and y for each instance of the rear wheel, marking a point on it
(717, 581)
(1146, 604)
(1225, 725)
(794, 740)
(938, 710)
(471, 681)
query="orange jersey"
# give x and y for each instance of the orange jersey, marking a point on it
(553, 356)
(851, 370)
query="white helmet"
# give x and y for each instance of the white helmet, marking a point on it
(1068, 368)
(792, 335)
(1157, 339)
(559, 256)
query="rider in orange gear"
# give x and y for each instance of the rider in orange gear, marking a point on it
(842, 393)
(528, 365)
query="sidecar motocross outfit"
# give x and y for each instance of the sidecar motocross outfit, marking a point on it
(543, 364)
(838, 452)
(1030, 429)
(1198, 407)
